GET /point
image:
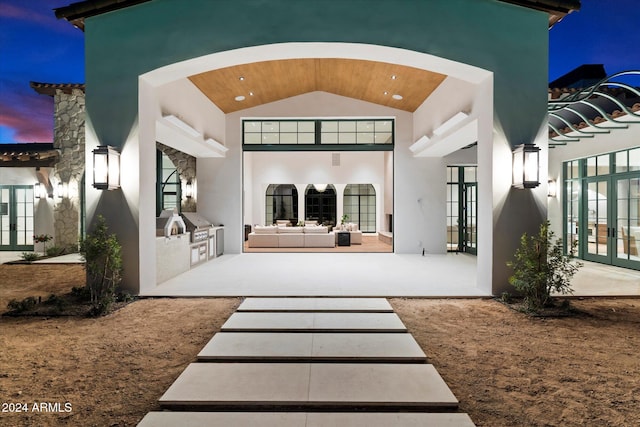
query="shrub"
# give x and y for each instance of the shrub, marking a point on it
(540, 267)
(103, 263)
(22, 306)
(55, 251)
(30, 256)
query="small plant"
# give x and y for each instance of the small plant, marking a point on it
(22, 306)
(540, 268)
(29, 256)
(505, 298)
(42, 238)
(344, 219)
(103, 263)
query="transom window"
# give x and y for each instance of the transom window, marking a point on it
(315, 132)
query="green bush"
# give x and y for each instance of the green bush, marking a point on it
(540, 267)
(29, 256)
(55, 251)
(22, 306)
(103, 263)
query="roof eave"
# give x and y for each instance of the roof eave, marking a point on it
(76, 13)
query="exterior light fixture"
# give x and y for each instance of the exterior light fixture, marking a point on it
(320, 187)
(37, 190)
(61, 191)
(552, 188)
(106, 168)
(188, 189)
(526, 166)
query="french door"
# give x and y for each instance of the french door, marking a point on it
(611, 207)
(470, 215)
(16, 218)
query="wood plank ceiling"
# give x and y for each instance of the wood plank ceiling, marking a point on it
(263, 82)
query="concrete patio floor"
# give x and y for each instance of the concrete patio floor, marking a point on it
(327, 274)
(357, 274)
(362, 274)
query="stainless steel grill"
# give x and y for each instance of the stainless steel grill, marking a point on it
(199, 227)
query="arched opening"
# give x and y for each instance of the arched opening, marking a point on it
(320, 206)
(281, 203)
(359, 203)
(223, 193)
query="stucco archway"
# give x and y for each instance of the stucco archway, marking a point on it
(210, 120)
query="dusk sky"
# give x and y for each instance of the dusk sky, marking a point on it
(35, 46)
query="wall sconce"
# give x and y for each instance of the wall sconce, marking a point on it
(552, 188)
(106, 168)
(62, 191)
(320, 187)
(37, 190)
(188, 189)
(526, 166)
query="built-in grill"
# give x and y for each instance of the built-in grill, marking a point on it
(199, 227)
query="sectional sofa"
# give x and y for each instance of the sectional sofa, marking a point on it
(277, 236)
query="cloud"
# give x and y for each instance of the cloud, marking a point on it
(24, 14)
(29, 116)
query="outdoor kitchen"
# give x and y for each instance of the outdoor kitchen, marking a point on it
(184, 241)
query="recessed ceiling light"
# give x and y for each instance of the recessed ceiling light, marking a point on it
(240, 98)
(393, 77)
(386, 93)
(250, 93)
(241, 78)
(396, 96)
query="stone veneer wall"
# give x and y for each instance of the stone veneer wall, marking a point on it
(186, 166)
(69, 140)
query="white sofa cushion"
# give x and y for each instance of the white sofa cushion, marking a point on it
(290, 240)
(263, 240)
(265, 229)
(314, 229)
(289, 230)
(317, 240)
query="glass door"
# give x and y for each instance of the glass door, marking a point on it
(627, 227)
(16, 218)
(470, 218)
(597, 226)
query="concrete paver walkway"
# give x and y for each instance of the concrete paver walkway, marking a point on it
(335, 367)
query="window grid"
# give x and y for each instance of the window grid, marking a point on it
(325, 132)
(359, 202)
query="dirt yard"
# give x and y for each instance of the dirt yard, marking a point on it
(506, 369)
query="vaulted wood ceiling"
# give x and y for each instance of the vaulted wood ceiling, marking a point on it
(263, 82)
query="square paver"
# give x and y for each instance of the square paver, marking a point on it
(403, 419)
(403, 385)
(367, 347)
(223, 419)
(379, 305)
(257, 345)
(214, 384)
